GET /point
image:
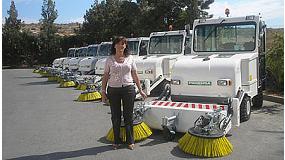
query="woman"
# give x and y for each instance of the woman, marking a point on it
(120, 74)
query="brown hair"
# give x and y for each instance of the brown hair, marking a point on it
(116, 41)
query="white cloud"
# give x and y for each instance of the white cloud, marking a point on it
(269, 10)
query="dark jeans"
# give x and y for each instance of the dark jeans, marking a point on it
(127, 96)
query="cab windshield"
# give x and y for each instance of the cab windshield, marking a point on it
(82, 52)
(168, 44)
(71, 53)
(133, 47)
(228, 37)
(104, 50)
(143, 47)
(92, 51)
(77, 51)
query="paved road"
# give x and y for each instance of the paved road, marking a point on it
(43, 122)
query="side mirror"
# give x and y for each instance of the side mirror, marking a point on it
(259, 43)
(188, 28)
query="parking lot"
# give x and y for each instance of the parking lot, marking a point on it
(41, 121)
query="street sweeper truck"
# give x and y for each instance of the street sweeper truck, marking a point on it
(70, 54)
(67, 76)
(91, 83)
(87, 64)
(73, 62)
(215, 86)
(58, 62)
(155, 68)
(87, 67)
(137, 47)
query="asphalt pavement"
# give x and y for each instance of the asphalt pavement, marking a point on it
(43, 122)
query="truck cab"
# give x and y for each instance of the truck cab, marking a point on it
(87, 64)
(227, 65)
(73, 62)
(138, 46)
(163, 50)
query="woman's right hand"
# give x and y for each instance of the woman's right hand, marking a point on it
(104, 96)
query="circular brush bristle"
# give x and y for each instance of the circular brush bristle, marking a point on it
(141, 132)
(89, 96)
(205, 147)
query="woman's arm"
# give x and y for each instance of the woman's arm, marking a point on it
(104, 81)
(138, 83)
(104, 85)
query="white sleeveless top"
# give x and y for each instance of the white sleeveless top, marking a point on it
(120, 73)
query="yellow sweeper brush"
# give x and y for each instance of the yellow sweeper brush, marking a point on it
(66, 84)
(36, 71)
(59, 80)
(52, 78)
(81, 86)
(204, 146)
(90, 95)
(44, 74)
(207, 137)
(141, 132)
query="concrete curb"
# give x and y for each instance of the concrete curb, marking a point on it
(273, 98)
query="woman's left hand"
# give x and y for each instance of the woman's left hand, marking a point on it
(144, 96)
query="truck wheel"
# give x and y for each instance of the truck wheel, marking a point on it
(257, 100)
(245, 109)
(167, 134)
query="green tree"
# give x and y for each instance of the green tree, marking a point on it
(195, 9)
(12, 22)
(49, 42)
(115, 17)
(49, 15)
(11, 37)
(100, 21)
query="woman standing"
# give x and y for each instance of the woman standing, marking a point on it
(120, 73)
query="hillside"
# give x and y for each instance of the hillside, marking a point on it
(63, 29)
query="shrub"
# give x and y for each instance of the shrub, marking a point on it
(275, 64)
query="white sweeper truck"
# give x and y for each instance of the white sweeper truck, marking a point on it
(214, 88)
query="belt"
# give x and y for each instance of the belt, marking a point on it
(123, 86)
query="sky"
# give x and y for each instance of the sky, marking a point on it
(272, 11)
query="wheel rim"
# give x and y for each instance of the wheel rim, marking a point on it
(248, 107)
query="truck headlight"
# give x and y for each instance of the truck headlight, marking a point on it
(224, 82)
(175, 82)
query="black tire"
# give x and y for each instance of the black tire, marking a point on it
(167, 134)
(245, 109)
(257, 101)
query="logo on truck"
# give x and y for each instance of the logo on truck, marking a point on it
(200, 83)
